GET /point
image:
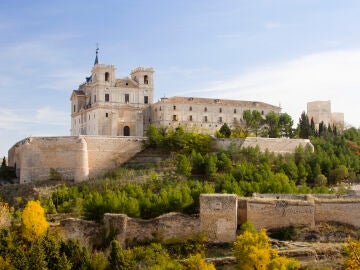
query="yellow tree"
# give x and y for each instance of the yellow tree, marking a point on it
(34, 223)
(352, 257)
(253, 251)
(196, 262)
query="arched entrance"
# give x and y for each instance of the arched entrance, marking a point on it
(126, 131)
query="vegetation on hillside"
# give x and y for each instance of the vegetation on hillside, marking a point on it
(195, 169)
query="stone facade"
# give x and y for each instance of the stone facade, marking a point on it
(105, 105)
(202, 114)
(73, 158)
(320, 111)
(108, 106)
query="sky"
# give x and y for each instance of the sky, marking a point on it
(275, 51)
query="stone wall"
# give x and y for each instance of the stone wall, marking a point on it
(276, 145)
(73, 157)
(218, 217)
(168, 226)
(270, 214)
(338, 210)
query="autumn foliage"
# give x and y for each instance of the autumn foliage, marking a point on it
(352, 257)
(34, 223)
(253, 251)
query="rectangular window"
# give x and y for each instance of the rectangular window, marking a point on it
(174, 107)
(190, 117)
(146, 99)
(74, 108)
(205, 119)
(234, 110)
(127, 98)
(106, 115)
(220, 110)
(175, 117)
(94, 98)
(107, 97)
(220, 119)
(190, 108)
(205, 109)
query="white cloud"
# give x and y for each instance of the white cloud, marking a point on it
(17, 119)
(330, 75)
(272, 25)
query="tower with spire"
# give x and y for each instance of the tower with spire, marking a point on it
(109, 106)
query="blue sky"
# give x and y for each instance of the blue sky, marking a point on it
(276, 51)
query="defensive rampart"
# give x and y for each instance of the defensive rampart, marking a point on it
(71, 158)
(276, 145)
(126, 229)
(220, 217)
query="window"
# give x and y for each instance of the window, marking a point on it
(190, 109)
(127, 98)
(220, 119)
(205, 119)
(107, 97)
(89, 116)
(146, 80)
(174, 107)
(146, 99)
(220, 110)
(234, 110)
(160, 108)
(74, 108)
(106, 115)
(205, 109)
(190, 118)
(107, 76)
(175, 117)
(94, 98)
(262, 112)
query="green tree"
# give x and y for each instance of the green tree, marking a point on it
(37, 257)
(225, 130)
(286, 125)
(183, 165)
(304, 129)
(117, 259)
(272, 121)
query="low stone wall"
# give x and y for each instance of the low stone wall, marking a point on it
(88, 233)
(276, 145)
(270, 214)
(73, 158)
(168, 226)
(220, 215)
(338, 210)
(273, 211)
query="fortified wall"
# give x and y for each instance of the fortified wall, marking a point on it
(220, 217)
(126, 229)
(273, 212)
(73, 157)
(82, 157)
